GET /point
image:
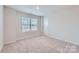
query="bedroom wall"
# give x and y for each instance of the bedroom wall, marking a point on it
(1, 27)
(63, 24)
(13, 29)
(10, 25)
(22, 35)
(45, 24)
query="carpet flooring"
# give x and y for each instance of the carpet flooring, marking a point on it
(41, 44)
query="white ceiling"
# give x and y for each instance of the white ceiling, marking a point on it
(43, 11)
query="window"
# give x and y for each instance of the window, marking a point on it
(28, 24)
(33, 24)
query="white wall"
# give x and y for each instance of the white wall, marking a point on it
(13, 29)
(1, 27)
(45, 24)
(63, 24)
(9, 25)
(29, 34)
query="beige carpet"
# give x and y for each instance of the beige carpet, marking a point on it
(40, 44)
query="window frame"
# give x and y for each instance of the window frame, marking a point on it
(29, 24)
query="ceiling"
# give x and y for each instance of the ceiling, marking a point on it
(44, 10)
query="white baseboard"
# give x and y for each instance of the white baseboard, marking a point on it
(22, 38)
(51, 36)
(46, 34)
(1, 47)
(9, 42)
